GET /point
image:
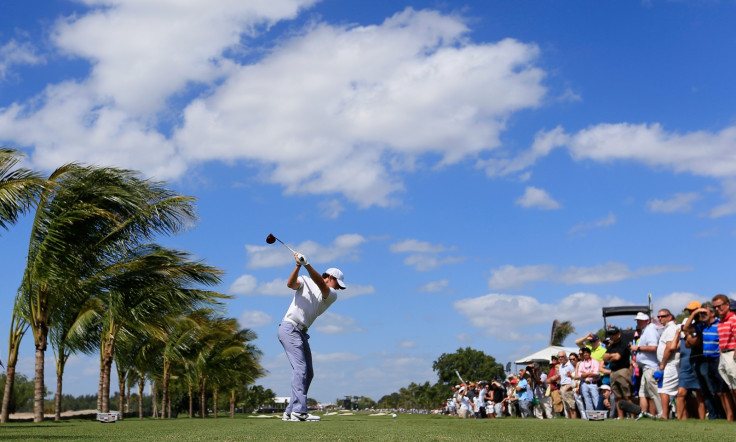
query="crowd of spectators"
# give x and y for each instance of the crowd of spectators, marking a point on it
(660, 369)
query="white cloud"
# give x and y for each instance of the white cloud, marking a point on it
(244, 285)
(277, 287)
(512, 277)
(370, 98)
(677, 301)
(603, 222)
(679, 203)
(543, 144)
(254, 319)
(729, 207)
(424, 256)
(344, 247)
(14, 53)
(424, 263)
(336, 357)
(407, 344)
(248, 285)
(144, 51)
(414, 245)
(334, 324)
(355, 290)
(434, 286)
(510, 316)
(702, 153)
(331, 209)
(409, 86)
(537, 199)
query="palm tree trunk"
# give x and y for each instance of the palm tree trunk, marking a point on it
(214, 402)
(141, 386)
(41, 339)
(108, 354)
(232, 403)
(154, 400)
(100, 382)
(122, 374)
(9, 381)
(107, 368)
(59, 382)
(165, 390)
(18, 328)
(191, 402)
(38, 390)
(127, 397)
(203, 398)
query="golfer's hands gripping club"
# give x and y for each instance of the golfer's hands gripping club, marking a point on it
(300, 259)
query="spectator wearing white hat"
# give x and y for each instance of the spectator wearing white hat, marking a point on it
(464, 407)
(646, 358)
(609, 403)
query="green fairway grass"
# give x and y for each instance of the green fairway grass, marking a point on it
(363, 427)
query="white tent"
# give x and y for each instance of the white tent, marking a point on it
(544, 354)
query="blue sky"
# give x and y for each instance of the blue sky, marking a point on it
(477, 169)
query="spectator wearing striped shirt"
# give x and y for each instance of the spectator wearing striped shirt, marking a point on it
(726, 345)
(702, 330)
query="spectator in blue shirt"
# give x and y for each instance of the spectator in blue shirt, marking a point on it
(702, 328)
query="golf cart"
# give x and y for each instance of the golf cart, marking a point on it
(627, 333)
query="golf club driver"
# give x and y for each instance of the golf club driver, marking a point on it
(270, 239)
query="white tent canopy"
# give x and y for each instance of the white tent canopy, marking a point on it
(544, 354)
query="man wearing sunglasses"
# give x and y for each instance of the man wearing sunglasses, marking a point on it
(726, 345)
(669, 361)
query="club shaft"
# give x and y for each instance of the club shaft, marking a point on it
(292, 250)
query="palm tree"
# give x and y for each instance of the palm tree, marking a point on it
(220, 349)
(19, 191)
(560, 331)
(145, 286)
(179, 337)
(19, 188)
(81, 224)
(18, 328)
(69, 333)
(234, 366)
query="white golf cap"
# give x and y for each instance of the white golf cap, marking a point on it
(337, 274)
(642, 316)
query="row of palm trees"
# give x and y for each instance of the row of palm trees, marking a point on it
(96, 282)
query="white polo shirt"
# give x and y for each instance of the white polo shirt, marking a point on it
(567, 370)
(308, 304)
(648, 359)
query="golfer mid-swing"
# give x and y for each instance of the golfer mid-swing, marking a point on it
(312, 297)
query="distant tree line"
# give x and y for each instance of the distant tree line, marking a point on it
(473, 365)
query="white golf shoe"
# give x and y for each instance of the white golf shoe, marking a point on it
(304, 417)
(286, 417)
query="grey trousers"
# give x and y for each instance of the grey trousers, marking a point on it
(296, 346)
